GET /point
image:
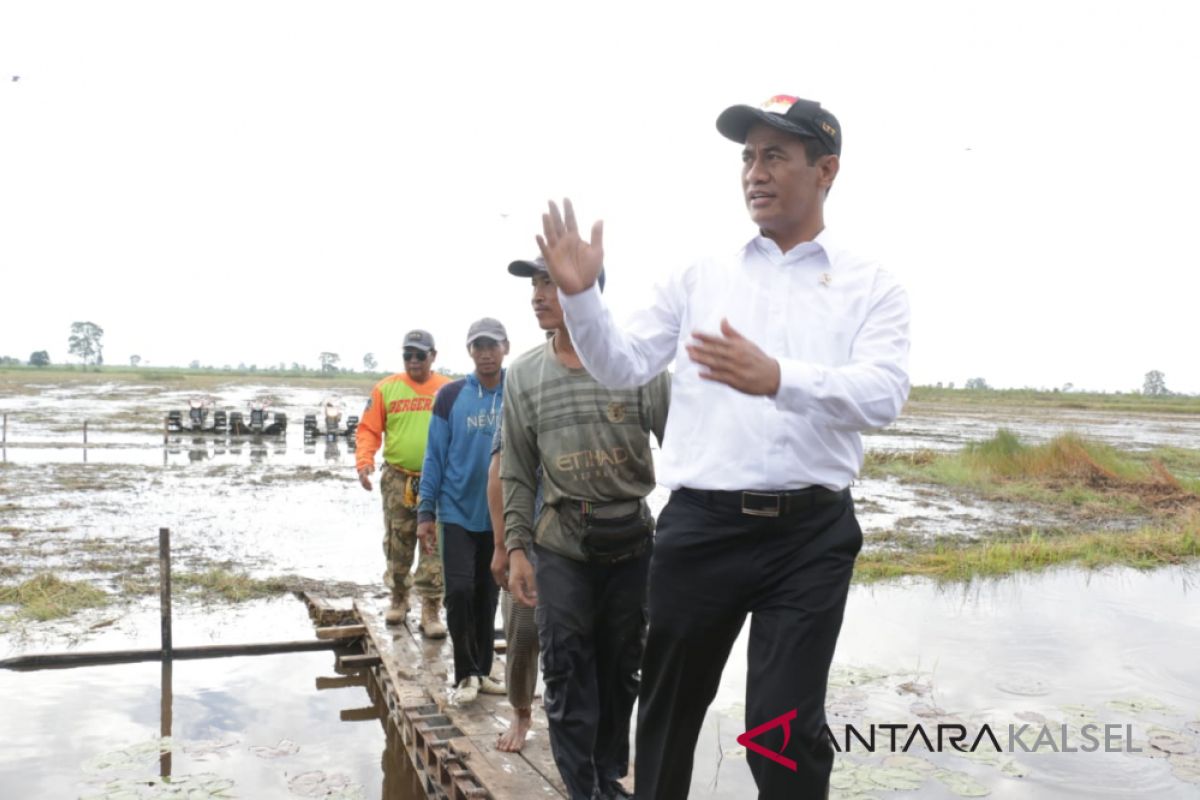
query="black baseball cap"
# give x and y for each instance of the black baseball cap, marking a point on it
(527, 269)
(419, 340)
(804, 118)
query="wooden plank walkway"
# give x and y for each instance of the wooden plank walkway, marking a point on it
(452, 748)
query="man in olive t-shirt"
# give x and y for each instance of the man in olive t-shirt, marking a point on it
(593, 447)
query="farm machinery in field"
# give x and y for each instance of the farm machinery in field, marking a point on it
(203, 417)
(329, 425)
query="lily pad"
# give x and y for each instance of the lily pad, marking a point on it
(927, 711)
(335, 786)
(913, 687)
(855, 676)
(203, 786)
(1079, 713)
(1170, 742)
(910, 763)
(895, 778)
(1031, 716)
(1138, 705)
(1186, 768)
(961, 784)
(285, 747)
(1023, 685)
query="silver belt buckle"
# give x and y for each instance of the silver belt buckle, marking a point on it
(761, 512)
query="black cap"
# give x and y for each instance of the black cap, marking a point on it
(804, 118)
(527, 269)
(419, 340)
(486, 328)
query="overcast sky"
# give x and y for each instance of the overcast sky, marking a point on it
(257, 182)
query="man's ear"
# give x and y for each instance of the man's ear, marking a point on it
(829, 166)
(506, 346)
(432, 355)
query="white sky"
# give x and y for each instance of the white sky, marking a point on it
(261, 181)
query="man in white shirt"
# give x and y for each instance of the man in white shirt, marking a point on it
(784, 352)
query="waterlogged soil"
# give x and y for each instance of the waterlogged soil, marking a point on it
(1043, 661)
(1065, 647)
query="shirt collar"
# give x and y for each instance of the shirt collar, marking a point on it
(821, 243)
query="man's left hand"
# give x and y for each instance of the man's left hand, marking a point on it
(735, 361)
(427, 533)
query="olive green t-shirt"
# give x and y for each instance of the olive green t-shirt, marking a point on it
(592, 443)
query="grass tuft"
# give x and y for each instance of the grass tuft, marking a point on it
(46, 596)
(231, 586)
(1175, 542)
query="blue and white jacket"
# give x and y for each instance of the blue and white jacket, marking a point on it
(457, 453)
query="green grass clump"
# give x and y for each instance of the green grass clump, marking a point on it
(1068, 470)
(1151, 546)
(46, 596)
(226, 585)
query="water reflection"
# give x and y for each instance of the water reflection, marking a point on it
(256, 723)
(1067, 647)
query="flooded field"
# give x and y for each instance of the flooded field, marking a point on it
(1067, 647)
(250, 727)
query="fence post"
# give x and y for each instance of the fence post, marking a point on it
(85, 422)
(164, 577)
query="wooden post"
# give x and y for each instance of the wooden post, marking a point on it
(165, 718)
(5, 439)
(85, 422)
(164, 576)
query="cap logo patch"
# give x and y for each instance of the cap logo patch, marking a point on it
(779, 104)
(832, 131)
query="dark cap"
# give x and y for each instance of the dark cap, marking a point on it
(419, 340)
(804, 118)
(527, 269)
(486, 328)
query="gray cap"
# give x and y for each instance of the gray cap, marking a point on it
(419, 340)
(486, 328)
(527, 269)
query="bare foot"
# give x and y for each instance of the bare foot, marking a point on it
(513, 739)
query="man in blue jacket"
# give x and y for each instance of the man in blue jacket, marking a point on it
(454, 492)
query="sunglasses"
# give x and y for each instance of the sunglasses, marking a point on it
(415, 355)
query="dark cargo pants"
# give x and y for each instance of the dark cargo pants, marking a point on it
(591, 622)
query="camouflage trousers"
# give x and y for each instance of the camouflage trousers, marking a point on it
(400, 540)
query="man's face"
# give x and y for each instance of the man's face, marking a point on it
(782, 191)
(545, 303)
(418, 363)
(488, 355)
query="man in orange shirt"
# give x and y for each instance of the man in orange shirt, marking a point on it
(398, 414)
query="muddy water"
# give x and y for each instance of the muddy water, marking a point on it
(1119, 647)
(253, 726)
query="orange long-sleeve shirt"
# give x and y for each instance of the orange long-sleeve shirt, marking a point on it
(397, 414)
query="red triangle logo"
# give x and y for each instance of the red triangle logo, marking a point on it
(746, 739)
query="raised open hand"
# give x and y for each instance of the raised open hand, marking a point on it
(574, 264)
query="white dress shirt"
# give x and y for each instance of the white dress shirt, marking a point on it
(837, 324)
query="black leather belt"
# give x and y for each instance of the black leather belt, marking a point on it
(770, 504)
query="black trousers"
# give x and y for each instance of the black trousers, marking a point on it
(712, 566)
(471, 597)
(591, 622)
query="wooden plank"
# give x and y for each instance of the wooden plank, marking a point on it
(503, 774)
(343, 682)
(342, 632)
(463, 766)
(364, 714)
(360, 661)
(69, 660)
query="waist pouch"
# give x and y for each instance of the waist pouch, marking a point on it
(616, 532)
